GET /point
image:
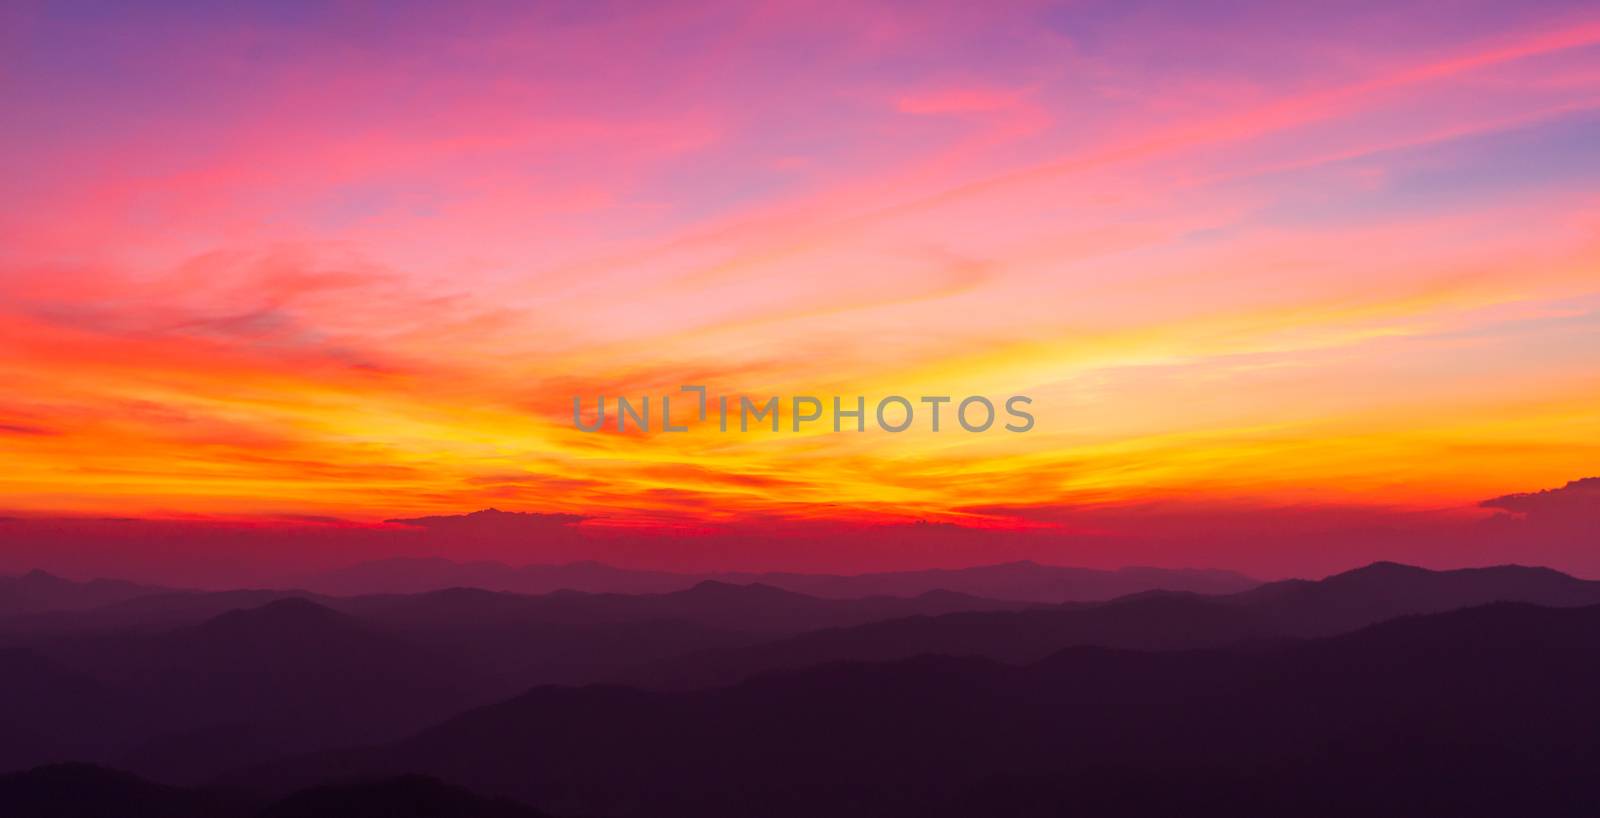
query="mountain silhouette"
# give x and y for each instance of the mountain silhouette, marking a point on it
(88, 791)
(1157, 622)
(700, 673)
(37, 591)
(51, 712)
(410, 796)
(160, 609)
(753, 608)
(247, 684)
(1022, 581)
(1484, 711)
(1150, 621)
(411, 575)
(1385, 590)
(294, 674)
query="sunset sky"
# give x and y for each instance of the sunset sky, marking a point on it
(296, 260)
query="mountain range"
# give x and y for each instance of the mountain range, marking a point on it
(1022, 581)
(37, 591)
(648, 704)
(1148, 621)
(1488, 710)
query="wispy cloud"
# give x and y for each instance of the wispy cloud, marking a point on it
(279, 269)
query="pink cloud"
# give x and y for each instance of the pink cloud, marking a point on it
(960, 101)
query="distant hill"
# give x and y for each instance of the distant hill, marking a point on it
(1024, 580)
(1385, 590)
(1483, 711)
(159, 609)
(1020, 581)
(180, 702)
(1157, 622)
(1150, 621)
(753, 608)
(407, 575)
(37, 591)
(245, 685)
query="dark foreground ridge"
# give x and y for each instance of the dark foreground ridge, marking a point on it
(87, 791)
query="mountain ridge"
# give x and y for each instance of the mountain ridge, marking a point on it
(1021, 580)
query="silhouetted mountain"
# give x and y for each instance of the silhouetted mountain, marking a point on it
(299, 673)
(403, 575)
(411, 796)
(1385, 590)
(499, 644)
(1485, 711)
(292, 675)
(1149, 621)
(196, 605)
(49, 712)
(1023, 581)
(245, 685)
(753, 608)
(748, 608)
(317, 674)
(88, 791)
(21, 747)
(1163, 622)
(38, 591)
(163, 609)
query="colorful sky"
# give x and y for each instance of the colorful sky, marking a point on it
(297, 260)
